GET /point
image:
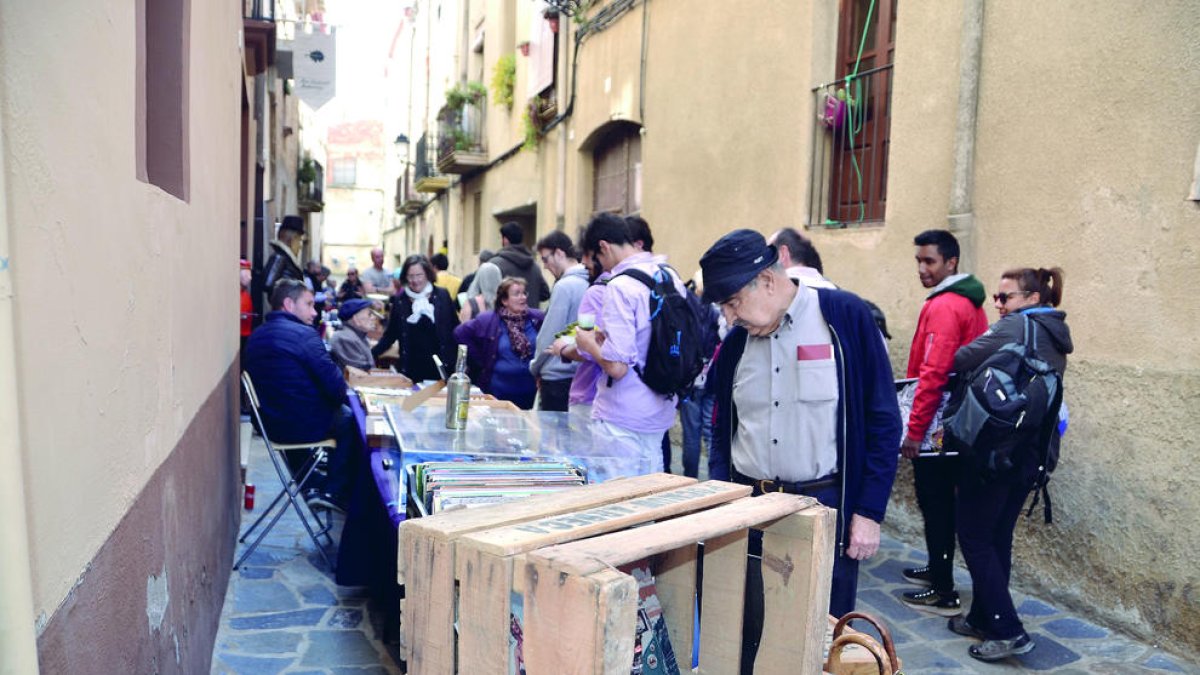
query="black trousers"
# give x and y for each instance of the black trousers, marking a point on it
(987, 516)
(555, 395)
(842, 593)
(935, 479)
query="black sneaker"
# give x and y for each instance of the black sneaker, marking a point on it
(918, 575)
(929, 600)
(995, 650)
(323, 500)
(958, 624)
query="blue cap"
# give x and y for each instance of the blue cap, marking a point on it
(351, 307)
(733, 262)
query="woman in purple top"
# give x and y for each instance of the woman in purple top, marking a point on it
(500, 345)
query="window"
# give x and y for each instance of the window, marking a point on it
(162, 83)
(850, 152)
(617, 184)
(345, 171)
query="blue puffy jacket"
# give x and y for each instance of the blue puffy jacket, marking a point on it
(300, 388)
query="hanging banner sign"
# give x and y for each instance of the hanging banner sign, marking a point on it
(314, 66)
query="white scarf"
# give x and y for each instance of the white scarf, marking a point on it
(421, 306)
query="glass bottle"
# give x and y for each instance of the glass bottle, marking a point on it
(458, 393)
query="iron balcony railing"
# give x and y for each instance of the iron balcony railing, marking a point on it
(850, 140)
(423, 162)
(461, 129)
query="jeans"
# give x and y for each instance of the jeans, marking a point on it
(695, 415)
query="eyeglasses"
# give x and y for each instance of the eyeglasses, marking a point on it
(1002, 298)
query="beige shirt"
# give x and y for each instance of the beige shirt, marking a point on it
(785, 390)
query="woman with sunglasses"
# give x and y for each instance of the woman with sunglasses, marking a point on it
(988, 510)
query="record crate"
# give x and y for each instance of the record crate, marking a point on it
(546, 569)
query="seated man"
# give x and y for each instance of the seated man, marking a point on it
(301, 390)
(349, 344)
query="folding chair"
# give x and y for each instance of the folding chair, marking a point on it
(292, 486)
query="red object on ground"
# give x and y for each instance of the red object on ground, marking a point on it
(248, 500)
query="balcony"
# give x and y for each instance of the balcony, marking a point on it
(310, 178)
(408, 202)
(427, 178)
(461, 146)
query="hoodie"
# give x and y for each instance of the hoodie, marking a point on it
(563, 311)
(1053, 339)
(515, 260)
(951, 317)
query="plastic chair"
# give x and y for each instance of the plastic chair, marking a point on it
(292, 487)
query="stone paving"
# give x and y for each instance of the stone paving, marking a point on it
(284, 614)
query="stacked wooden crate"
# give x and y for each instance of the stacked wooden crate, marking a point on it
(551, 563)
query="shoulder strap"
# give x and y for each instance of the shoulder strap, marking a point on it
(641, 276)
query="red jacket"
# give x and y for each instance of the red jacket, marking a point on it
(950, 318)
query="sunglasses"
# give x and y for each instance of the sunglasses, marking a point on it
(1002, 298)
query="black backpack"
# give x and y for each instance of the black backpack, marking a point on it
(1003, 413)
(676, 354)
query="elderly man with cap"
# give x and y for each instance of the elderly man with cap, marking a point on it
(349, 344)
(828, 422)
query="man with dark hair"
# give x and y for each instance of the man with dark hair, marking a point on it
(302, 394)
(484, 256)
(805, 404)
(444, 279)
(516, 260)
(640, 234)
(554, 375)
(626, 414)
(800, 258)
(951, 317)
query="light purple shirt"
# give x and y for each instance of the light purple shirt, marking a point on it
(625, 320)
(583, 384)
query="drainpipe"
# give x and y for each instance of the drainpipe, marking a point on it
(18, 645)
(961, 219)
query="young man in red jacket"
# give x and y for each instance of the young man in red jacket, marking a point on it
(951, 317)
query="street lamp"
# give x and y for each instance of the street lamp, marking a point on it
(401, 145)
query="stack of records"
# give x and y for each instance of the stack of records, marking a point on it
(446, 485)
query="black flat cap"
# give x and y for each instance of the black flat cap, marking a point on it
(294, 223)
(733, 262)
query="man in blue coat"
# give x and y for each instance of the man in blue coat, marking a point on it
(827, 423)
(301, 391)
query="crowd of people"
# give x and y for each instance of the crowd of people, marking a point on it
(795, 391)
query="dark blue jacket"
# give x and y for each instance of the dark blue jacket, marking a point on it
(300, 388)
(868, 414)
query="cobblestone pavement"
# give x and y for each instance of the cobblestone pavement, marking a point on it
(1065, 644)
(284, 614)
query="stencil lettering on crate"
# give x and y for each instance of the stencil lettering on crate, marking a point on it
(600, 514)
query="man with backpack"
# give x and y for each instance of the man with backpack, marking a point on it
(951, 317)
(805, 404)
(635, 399)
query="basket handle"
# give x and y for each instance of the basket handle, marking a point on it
(884, 634)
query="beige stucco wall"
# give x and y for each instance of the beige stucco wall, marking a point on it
(124, 294)
(1080, 163)
(1086, 137)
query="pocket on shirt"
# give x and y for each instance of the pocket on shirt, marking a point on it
(816, 380)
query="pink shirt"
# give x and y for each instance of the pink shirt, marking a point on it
(583, 384)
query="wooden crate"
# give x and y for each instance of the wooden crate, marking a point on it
(426, 563)
(489, 563)
(581, 612)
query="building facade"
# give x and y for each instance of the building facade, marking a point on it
(1036, 133)
(131, 184)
